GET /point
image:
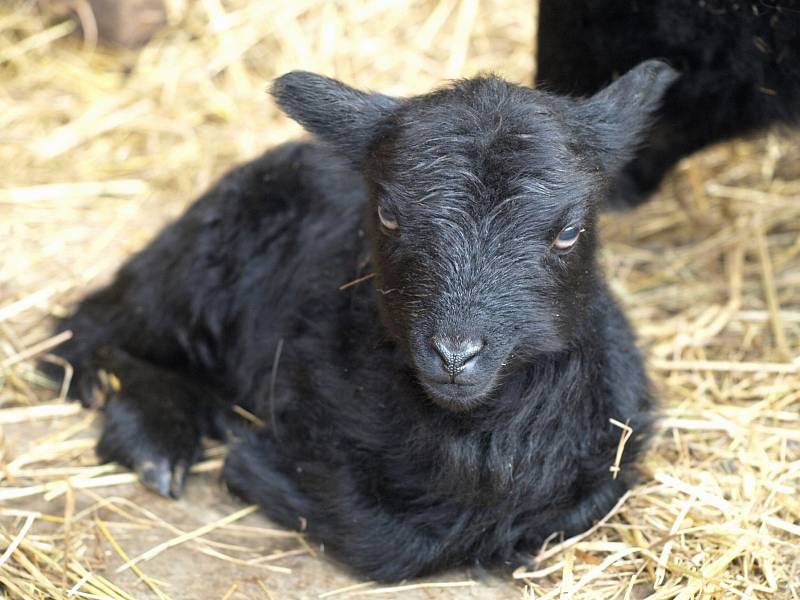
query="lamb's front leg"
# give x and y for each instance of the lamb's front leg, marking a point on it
(568, 520)
(345, 520)
(153, 420)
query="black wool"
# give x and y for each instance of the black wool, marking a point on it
(452, 404)
(739, 64)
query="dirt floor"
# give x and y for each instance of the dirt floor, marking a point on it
(100, 148)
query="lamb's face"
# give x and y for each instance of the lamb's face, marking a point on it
(482, 211)
(482, 225)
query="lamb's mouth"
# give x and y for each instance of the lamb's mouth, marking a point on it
(456, 397)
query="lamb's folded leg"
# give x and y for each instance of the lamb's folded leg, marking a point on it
(348, 522)
(153, 420)
(595, 504)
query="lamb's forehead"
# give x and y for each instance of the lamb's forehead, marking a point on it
(484, 118)
(480, 106)
(492, 137)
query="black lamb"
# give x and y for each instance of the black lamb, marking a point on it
(410, 302)
(739, 62)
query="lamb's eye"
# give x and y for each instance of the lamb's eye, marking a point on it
(386, 220)
(567, 238)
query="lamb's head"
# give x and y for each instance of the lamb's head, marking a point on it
(482, 210)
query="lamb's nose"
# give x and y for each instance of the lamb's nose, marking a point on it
(456, 355)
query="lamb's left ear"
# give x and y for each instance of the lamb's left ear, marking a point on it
(343, 116)
(616, 118)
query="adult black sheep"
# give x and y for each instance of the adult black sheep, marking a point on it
(455, 407)
(739, 63)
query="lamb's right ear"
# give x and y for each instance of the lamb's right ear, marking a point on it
(342, 116)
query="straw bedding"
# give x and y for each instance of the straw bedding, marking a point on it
(98, 149)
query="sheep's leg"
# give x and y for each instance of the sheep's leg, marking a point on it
(153, 420)
(257, 471)
(138, 354)
(327, 502)
(151, 423)
(593, 506)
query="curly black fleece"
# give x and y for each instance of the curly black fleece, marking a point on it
(739, 64)
(392, 471)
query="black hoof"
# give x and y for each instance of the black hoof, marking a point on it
(153, 425)
(162, 476)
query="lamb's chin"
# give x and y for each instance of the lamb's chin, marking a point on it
(456, 397)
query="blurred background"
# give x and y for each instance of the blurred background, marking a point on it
(103, 143)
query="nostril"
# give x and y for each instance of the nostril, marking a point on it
(455, 355)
